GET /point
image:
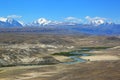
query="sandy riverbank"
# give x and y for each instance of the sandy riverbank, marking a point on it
(62, 58)
(100, 57)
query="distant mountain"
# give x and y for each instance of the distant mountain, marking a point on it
(9, 22)
(44, 22)
(103, 29)
(41, 22)
(42, 25)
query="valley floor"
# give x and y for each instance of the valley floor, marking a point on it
(36, 49)
(101, 66)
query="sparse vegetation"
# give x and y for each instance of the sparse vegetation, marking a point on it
(66, 54)
(94, 48)
(30, 50)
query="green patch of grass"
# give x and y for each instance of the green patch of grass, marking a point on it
(7, 65)
(91, 48)
(81, 52)
(66, 54)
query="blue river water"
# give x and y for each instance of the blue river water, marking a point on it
(76, 58)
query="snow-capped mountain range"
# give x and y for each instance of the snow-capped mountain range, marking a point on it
(44, 22)
(95, 26)
(9, 22)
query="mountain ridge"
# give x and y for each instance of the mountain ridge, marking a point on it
(43, 25)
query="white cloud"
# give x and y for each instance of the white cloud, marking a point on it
(94, 18)
(14, 16)
(73, 19)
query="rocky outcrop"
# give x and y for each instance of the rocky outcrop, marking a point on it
(14, 57)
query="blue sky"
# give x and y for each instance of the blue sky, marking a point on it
(59, 9)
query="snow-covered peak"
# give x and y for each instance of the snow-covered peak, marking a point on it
(42, 21)
(9, 22)
(3, 19)
(97, 22)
